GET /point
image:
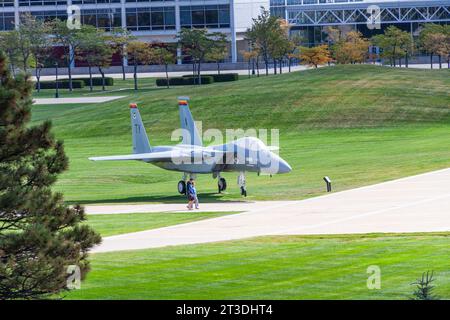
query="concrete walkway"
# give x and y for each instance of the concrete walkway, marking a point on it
(48, 101)
(129, 75)
(415, 204)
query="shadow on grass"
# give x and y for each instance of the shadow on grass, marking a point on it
(204, 198)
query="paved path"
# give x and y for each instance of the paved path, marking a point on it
(129, 75)
(415, 204)
(75, 100)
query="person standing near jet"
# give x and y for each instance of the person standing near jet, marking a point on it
(194, 194)
(189, 193)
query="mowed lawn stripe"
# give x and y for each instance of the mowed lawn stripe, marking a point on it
(276, 267)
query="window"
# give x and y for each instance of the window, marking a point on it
(154, 18)
(50, 15)
(6, 21)
(106, 19)
(7, 3)
(212, 16)
(27, 3)
(94, 1)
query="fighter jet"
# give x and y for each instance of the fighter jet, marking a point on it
(246, 154)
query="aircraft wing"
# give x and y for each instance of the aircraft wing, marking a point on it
(151, 156)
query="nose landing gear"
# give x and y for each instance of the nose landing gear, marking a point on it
(221, 184)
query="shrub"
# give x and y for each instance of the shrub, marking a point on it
(194, 80)
(179, 81)
(62, 84)
(175, 81)
(97, 81)
(225, 77)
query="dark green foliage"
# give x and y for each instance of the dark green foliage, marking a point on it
(96, 81)
(39, 235)
(203, 80)
(77, 83)
(225, 77)
(424, 287)
(62, 84)
(184, 81)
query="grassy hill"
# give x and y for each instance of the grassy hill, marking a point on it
(276, 267)
(357, 124)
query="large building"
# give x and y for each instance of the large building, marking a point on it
(160, 20)
(150, 20)
(312, 17)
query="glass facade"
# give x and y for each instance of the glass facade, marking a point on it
(41, 2)
(6, 21)
(50, 15)
(134, 1)
(147, 18)
(211, 16)
(7, 3)
(105, 19)
(94, 1)
(153, 18)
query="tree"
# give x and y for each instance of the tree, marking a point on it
(352, 48)
(70, 40)
(444, 47)
(95, 51)
(137, 52)
(394, 44)
(264, 32)
(424, 287)
(314, 56)
(250, 57)
(119, 40)
(36, 45)
(218, 51)
(40, 236)
(434, 39)
(295, 40)
(9, 44)
(280, 44)
(198, 43)
(163, 56)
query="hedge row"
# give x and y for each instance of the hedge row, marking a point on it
(62, 84)
(190, 80)
(97, 81)
(221, 77)
(77, 83)
(183, 81)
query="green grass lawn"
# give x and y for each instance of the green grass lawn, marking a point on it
(112, 224)
(357, 124)
(278, 267)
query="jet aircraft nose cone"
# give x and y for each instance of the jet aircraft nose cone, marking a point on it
(284, 167)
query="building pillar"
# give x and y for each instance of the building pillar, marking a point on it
(178, 28)
(16, 14)
(123, 16)
(233, 33)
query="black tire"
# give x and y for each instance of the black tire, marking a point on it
(182, 187)
(222, 184)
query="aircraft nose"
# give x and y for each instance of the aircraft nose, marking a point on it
(284, 167)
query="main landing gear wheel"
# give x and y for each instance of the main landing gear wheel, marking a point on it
(243, 192)
(222, 184)
(182, 187)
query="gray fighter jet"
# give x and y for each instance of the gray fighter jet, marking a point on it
(246, 154)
